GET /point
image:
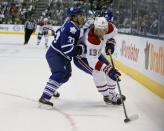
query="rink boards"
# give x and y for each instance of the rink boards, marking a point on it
(141, 58)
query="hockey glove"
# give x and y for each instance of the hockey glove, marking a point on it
(82, 49)
(110, 46)
(113, 73)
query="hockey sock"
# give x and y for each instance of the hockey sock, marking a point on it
(50, 88)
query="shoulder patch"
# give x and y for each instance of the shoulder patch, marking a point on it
(93, 39)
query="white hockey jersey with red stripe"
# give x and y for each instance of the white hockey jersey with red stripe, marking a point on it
(44, 28)
(95, 45)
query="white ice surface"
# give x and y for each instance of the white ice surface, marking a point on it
(23, 75)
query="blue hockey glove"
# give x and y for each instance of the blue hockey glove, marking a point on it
(110, 46)
(82, 49)
(113, 73)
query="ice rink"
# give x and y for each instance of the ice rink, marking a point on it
(23, 75)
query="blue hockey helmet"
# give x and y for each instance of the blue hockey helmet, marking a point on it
(73, 11)
(108, 16)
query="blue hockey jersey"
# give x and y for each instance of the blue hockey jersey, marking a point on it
(66, 39)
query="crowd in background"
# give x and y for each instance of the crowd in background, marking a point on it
(144, 17)
(15, 12)
(141, 17)
(55, 12)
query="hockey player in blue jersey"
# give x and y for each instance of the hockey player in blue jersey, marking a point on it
(60, 53)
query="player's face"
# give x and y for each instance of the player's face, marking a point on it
(80, 19)
(100, 32)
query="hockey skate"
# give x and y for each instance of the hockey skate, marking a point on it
(56, 94)
(45, 104)
(114, 98)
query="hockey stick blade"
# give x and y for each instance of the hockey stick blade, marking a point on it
(131, 118)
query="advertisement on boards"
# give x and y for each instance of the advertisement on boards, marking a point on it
(142, 54)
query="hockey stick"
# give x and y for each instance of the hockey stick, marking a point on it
(127, 119)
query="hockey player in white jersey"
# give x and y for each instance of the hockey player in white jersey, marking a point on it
(44, 28)
(94, 63)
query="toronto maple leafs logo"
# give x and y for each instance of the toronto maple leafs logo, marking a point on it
(71, 9)
(73, 30)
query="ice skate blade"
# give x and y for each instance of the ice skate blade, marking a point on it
(45, 106)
